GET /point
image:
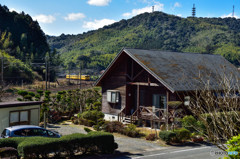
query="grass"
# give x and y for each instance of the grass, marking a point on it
(147, 131)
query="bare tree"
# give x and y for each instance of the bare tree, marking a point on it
(218, 109)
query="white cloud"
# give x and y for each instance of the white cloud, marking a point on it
(99, 2)
(13, 9)
(177, 5)
(97, 23)
(44, 18)
(157, 7)
(179, 15)
(74, 16)
(229, 15)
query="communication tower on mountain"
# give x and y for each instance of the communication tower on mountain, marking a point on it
(193, 11)
(233, 12)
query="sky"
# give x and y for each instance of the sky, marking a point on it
(58, 17)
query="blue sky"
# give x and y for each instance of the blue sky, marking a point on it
(77, 16)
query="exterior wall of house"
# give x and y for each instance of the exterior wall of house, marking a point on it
(34, 115)
(116, 80)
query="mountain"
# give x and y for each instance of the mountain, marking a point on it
(155, 30)
(22, 43)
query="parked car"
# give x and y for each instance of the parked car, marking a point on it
(28, 131)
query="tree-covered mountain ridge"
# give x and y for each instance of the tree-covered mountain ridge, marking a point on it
(22, 45)
(157, 30)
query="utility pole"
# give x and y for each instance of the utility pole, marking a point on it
(49, 74)
(2, 61)
(46, 71)
(80, 76)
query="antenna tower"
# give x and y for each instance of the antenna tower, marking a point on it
(233, 12)
(193, 11)
(152, 8)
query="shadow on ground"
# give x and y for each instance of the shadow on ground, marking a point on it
(52, 126)
(192, 144)
(116, 155)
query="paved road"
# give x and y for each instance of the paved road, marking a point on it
(142, 149)
(198, 152)
(202, 152)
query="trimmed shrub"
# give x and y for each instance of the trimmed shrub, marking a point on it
(131, 131)
(8, 152)
(87, 130)
(11, 142)
(114, 126)
(151, 137)
(34, 147)
(167, 136)
(182, 135)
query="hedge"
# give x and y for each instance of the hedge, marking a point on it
(34, 147)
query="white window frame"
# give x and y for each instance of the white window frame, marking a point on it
(113, 96)
(187, 100)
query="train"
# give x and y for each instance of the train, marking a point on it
(77, 77)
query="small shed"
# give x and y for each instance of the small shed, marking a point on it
(19, 113)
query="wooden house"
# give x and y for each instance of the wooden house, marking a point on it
(140, 84)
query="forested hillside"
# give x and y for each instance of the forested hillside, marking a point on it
(152, 31)
(22, 43)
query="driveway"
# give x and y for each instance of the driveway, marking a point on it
(125, 144)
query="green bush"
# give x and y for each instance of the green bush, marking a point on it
(93, 117)
(234, 147)
(34, 147)
(8, 152)
(192, 124)
(131, 131)
(87, 130)
(167, 136)
(182, 135)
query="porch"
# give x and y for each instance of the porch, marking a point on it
(148, 102)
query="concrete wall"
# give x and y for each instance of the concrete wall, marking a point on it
(4, 115)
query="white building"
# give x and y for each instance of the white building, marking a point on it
(19, 113)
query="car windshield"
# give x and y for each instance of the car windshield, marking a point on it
(5, 132)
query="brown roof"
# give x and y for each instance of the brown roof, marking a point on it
(182, 71)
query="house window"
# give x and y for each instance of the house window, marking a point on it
(14, 117)
(19, 117)
(113, 96)
(159, 101)
(187, 100)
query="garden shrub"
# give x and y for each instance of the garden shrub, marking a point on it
(182, 135)
(114, 126)
(234, 147)
(151, 137)
(93, 117)
(131, 131)
(167, 136)
(193, 125)
(8, 152)
(34, 147)
(87, 130)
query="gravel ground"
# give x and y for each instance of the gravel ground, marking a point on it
(125, 144)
